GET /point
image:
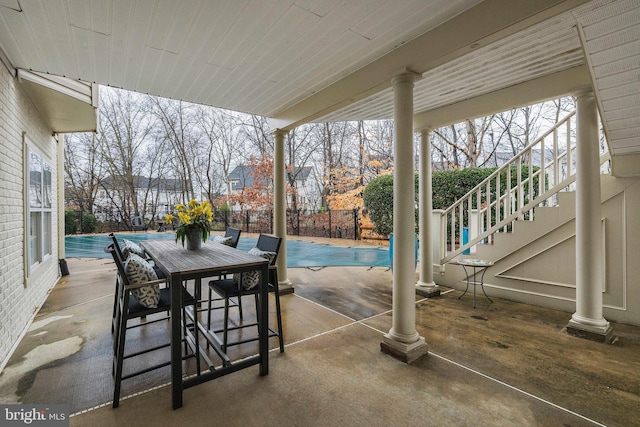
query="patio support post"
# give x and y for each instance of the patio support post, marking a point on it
(425, 287)
(403, 341)
(60, 175)
(280, 210)
(588, 321)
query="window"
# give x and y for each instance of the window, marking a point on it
(39, 208)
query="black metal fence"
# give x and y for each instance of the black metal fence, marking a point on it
(340, 224)
(332, 224)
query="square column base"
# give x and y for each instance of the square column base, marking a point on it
(406, 353)
(428, 291)
(589, 332)
(286, 288)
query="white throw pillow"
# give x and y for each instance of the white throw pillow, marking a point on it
(223, 240)
(250, 279)
(129, 247)
(139, 271)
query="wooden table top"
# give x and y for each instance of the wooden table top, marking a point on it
(173, 258)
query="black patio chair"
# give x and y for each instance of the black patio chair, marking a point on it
(112, 249)
(128, 308)
(233, 234)
(229, 288)
(161, 274)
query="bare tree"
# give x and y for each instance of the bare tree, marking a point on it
(333, 139)
(84, 169)
(124, 134)
(177, 121)
(257, 133)
(222, 145)
(300, 148)
(466, 144)
(491, 140)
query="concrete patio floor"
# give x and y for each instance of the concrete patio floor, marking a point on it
(501, 364)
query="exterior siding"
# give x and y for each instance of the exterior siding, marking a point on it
(20, 300)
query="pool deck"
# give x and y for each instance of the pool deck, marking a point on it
(502, 364)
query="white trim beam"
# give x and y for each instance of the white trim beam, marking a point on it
(528, 93)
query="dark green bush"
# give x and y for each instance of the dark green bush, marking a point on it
(378, 200)
(451, 185)
(70, 223)
(88, 222)
(448, 187)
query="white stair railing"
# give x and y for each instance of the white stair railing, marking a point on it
(531, 178)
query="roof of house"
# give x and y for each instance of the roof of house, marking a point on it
(240, 177)
(164, 184)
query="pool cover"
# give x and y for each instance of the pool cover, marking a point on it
(299, 254)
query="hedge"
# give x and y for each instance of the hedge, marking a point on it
(447, 186)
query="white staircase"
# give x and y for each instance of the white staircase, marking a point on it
(529, 231)
(484, 214)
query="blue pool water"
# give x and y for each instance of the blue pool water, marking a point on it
(299, 254)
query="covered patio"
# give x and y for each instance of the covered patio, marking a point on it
(504, 363)
(426, 64)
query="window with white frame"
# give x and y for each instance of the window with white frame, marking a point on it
(39, 208)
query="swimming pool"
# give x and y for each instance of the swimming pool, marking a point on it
(299, 254)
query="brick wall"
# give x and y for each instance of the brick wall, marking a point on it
(20, 299)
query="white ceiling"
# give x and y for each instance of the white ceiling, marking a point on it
(296, 61)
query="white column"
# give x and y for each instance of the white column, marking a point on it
(588, 317)
(403, 341)
(60, 182)
(280, 206)
(425, 209)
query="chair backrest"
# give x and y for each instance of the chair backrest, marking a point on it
(112, 249)
(116, 245)
(269, 243)
(234, 233)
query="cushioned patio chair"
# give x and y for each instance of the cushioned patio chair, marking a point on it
(138, 296)
(231, 238)
(132, 247)
(248, 284)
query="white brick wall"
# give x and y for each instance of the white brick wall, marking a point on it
(20, 301)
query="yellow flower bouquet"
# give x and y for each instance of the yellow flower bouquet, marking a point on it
(195, 219)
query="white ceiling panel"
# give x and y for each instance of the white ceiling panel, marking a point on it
(543, 49)
(629, 129)
(11, 4)
(301, 60)
(614, 116)
(619, 66)
(320, 8)
(612, 42)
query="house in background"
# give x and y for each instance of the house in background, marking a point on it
(307, 190)
(240, 178)
(306, 185)
(155, 197)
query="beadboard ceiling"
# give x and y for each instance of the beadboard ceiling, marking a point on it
(296, 61)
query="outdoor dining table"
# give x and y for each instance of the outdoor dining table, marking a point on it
(212, 259)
